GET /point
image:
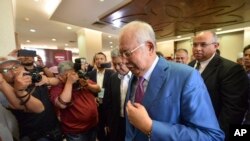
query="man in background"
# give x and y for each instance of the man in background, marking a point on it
(115, 97)
(226, 81)
(181, 56)
(101, 76)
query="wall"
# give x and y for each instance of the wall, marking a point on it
(166, 47)
(7, 34)
(231, 44)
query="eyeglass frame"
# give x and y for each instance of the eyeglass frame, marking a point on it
(202, 44)
(128, 53)
(118, 64)
(6, 70)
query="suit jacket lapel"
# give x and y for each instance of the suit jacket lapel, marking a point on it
(212, 65)
(157, 78)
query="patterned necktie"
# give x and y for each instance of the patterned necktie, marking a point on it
(139, 92)
(198, 64)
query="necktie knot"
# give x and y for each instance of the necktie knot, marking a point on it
(198, 65)
(140, 80)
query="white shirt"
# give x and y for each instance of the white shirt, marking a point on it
(124, 89)
(204, 64)
(100, 77)
(147, 75)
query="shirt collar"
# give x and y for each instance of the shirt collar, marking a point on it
(147, 75)
(204, 63)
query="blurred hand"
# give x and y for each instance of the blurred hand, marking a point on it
(2, 80)
(72, 77)
(21, 81)
(138, 116)
(43, 81)
(83, 82)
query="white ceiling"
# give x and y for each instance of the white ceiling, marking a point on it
(74, 13)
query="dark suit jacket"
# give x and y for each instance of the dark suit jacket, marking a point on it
(102, 109)
(177, 101)
(93, 74)
(227, 84)
(113, 97)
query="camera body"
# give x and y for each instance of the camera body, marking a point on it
(82, 74)
(35, 77)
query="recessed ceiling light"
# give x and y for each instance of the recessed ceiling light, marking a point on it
(219, 29)
(66, 45)
(26, 19)
(32, 30)
(178, 36)
(69, 27)
(111, 42)
(28, 41)
(36, 0)
(53, 39)
(101, 0)
(111, 46)
(109, 36)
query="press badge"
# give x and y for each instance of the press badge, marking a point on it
(101, 93)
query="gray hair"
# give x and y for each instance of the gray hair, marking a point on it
(64, 66)
(139, 30)
(115, 52)
(215, 37)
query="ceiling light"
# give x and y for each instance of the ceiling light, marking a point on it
(69, 27)
(66, 45)
(111, 42)
(178, 37)
(101, 0)
(53, 39)
(229, 31)
(51, 6)
(109, 36)
(73, 50)
(111, 46)
(219, 29)
(32, 30)
(28, 41)
(26, 19)
(36, 0)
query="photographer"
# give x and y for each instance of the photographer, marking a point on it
(27, 58)
(74, 97)
(29, 102)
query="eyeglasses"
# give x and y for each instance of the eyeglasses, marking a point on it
(118, 64)
(6, 70)
(202, 44)
(129, 53)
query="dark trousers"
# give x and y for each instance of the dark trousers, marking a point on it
(101, 133)
(118, 130)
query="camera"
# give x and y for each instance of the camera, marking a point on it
(82, 74)
(35, 77)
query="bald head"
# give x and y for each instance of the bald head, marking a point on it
(204, 45)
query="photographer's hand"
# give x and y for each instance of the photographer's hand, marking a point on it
(90, 85)
(83, 82)
(72, 77)
(21, 81)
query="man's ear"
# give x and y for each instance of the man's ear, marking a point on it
(150, 45)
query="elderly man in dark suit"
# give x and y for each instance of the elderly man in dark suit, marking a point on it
(226, 81)
(115, 96)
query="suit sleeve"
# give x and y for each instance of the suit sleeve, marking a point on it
(197, 117)
(234, 92)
